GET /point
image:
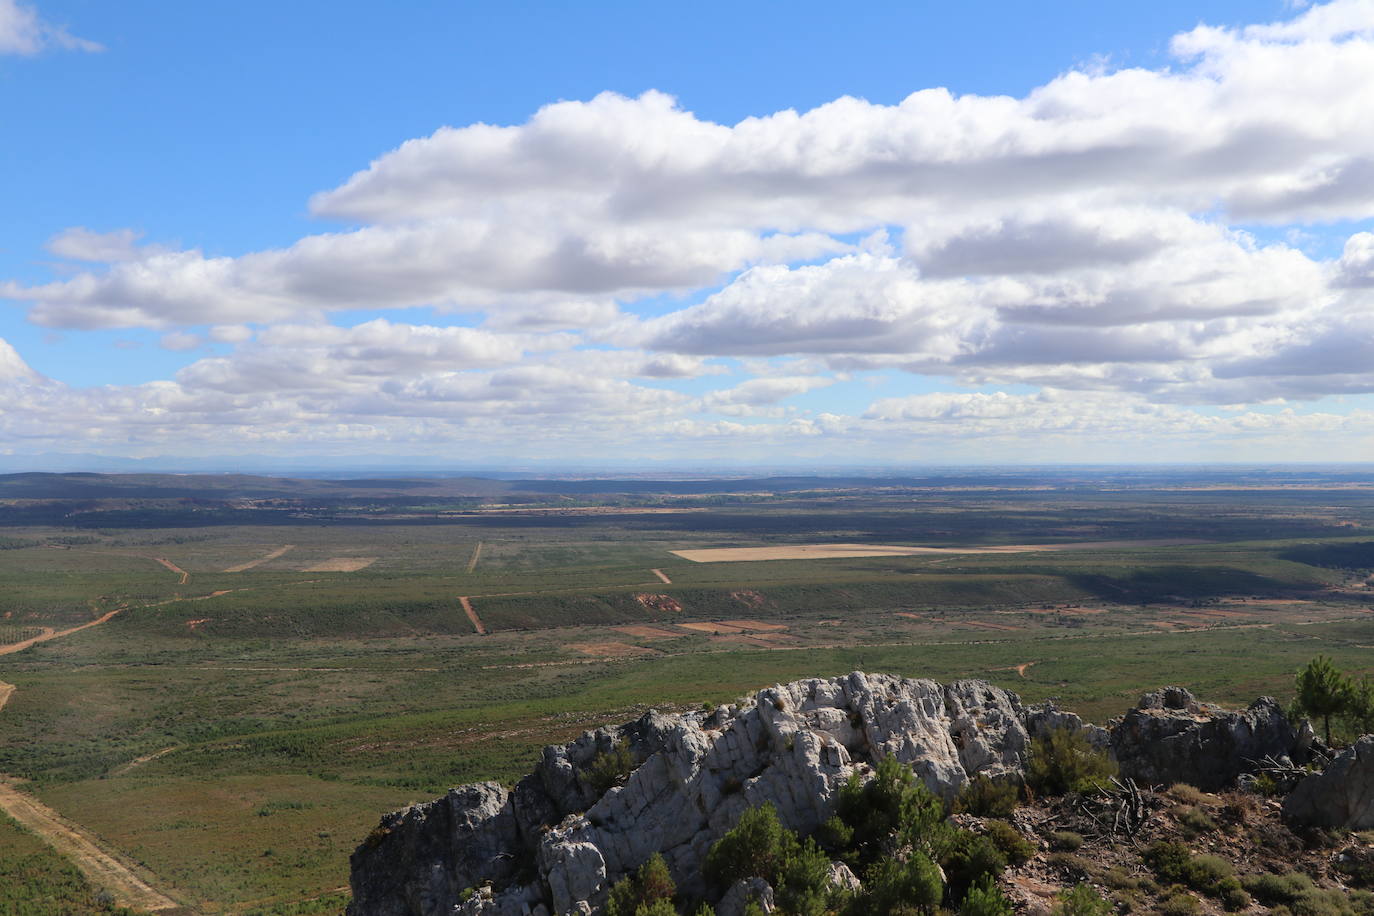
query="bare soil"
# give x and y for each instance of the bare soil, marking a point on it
(660, 573)
(472, 615)
(265, 558)
(642, 632)
(665, 603)
(835, 551)
(342, 564)
(610, 649)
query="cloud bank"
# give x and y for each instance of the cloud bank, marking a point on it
(1108, 240)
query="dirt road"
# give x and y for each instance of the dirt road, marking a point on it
(99, 867)
(185, 576)
(472, 615)
(262, 559)
(49, 633)
(476, 552)
(662, 575)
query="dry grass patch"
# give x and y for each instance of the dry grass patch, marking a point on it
(610, 649)
(342, 564)
(642, 632)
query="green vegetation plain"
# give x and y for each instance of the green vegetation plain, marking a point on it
(236, 733)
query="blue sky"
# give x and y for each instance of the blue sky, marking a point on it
(200, 197)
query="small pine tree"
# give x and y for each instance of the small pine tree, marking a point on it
(985, 899)
(645, 893)
(1323, 692)
(1063, 761)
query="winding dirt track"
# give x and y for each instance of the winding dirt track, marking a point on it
(185, 576)
(49, 633)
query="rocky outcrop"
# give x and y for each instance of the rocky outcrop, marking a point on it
(792, 746)
(557, 842)
(1340, 796)
(1170, 737)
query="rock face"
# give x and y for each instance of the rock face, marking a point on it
(1170, 737)
(1340, 796)
(557, 842)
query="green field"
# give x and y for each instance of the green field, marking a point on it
(235, 735)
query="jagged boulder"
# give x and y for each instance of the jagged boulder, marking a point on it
(1170, 737)
(422, 858)
(1342, 795)
(744, 892)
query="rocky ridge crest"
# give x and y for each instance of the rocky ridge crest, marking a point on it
(557, 842)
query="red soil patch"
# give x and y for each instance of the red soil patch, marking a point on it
(748, 597)
(192, 625)
(665, 603)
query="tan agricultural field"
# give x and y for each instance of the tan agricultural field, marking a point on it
(837, 551)
(342, 564)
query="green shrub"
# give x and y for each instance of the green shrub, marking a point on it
(986, 797)
(758, 845)
(895, 886)
(1069, 862)
(1273, 889)
(970, 859)
(891, 811)
(1180, 904)
(656, 908)
(634, 894)
(1189, 795)
(1066, 840)
(1081, 900)
(1195, 821)
(1010, 842)
(1296, 894)
(985, 899)
(1063, 761)
(802, 885)
(610, 768)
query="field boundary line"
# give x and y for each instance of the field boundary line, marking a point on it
(472, 615)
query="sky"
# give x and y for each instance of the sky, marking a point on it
(625, 234)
